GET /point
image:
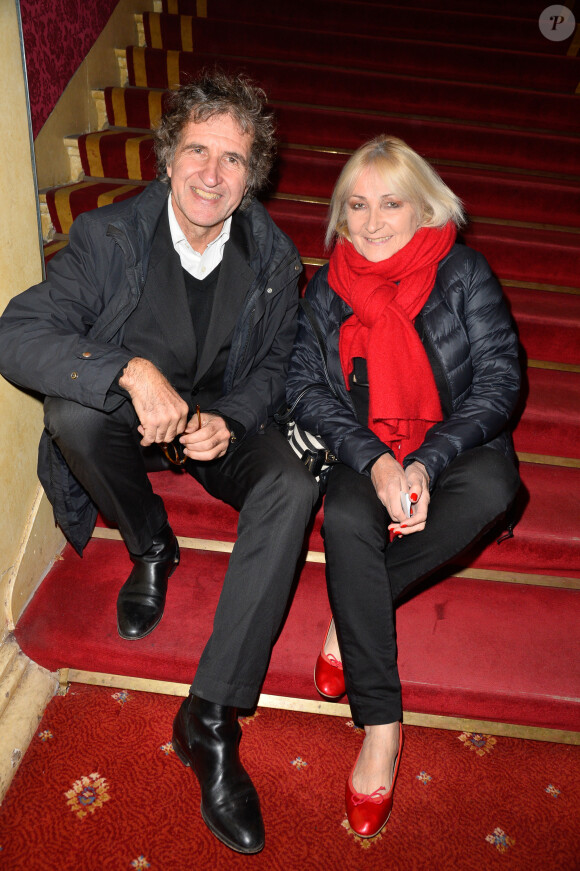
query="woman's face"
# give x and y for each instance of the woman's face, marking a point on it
(379, 222)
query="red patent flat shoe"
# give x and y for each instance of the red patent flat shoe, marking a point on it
(328, 673)
(368, 814)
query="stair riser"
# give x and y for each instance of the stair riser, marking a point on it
(536, 434)
(548, 420)
(548, 323)
(549, 341)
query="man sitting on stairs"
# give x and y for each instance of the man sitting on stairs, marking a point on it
(183, 298)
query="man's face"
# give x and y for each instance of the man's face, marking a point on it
(208, 174)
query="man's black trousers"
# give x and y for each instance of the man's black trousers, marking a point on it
(262, 479)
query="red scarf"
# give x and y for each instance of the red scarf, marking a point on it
(386, 298)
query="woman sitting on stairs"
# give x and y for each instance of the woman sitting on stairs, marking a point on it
(411, 382)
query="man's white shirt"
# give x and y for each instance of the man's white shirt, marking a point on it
(198, 265)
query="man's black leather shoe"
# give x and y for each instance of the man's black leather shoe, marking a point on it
(141, 600)
(206, 738)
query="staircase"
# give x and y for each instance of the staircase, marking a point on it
(493, 105)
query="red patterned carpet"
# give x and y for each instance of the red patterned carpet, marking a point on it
(100, 789)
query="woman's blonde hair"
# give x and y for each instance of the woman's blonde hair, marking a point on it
(410, 177)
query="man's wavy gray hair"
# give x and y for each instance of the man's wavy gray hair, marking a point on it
(216, 93)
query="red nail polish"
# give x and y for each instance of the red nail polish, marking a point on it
(403, 525)
(414, 497)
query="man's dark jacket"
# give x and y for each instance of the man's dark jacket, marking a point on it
(467, 333)
(64, 337)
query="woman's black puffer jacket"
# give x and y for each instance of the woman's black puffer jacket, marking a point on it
(467, 333)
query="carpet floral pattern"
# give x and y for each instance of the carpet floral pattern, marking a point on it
(101, 788)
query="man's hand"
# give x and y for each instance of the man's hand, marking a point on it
(161, 411)
(207, 442)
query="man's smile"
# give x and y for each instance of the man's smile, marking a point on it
(205, 195)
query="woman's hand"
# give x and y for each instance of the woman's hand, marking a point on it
(207, 442)
(388, 477)
(417, 485)
(390, 480)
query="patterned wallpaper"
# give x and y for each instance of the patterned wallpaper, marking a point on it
(58, 34)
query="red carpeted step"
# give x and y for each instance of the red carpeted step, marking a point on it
(134, 106)
(546, 537)
(319, 46)
(516, 8)
(492, 27)
(471, 649)
(541, 545)
(117, 154)
(67, 202)
(542, 256)
(550, 423)
(548, 323)
(335, 128)
(442, 138)
(367, 90)
(113, 154)
(485, 193)
(490, 632)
